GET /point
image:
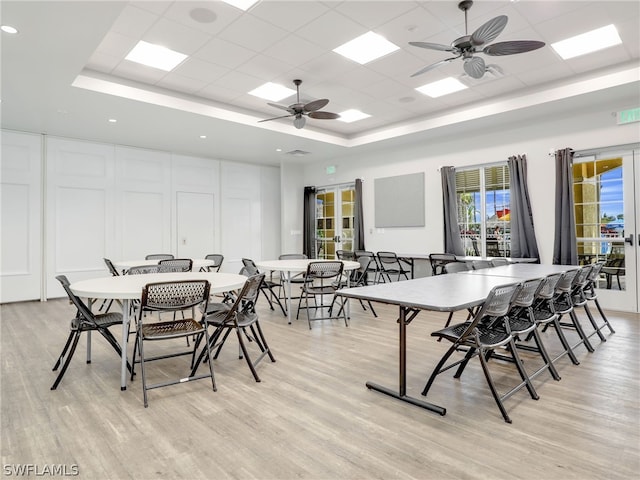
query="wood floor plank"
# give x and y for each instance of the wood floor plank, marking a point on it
(312, 417)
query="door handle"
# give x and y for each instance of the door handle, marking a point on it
(629, 239)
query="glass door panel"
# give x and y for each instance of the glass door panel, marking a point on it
(605, 186)
(334, 220)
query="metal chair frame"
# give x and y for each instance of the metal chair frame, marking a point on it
(322, 279)
(487, 331)
(84, 321)
(176, 296)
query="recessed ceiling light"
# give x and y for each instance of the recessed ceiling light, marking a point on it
(352, 115)
(8, 29)
(112, 120)
(366, 48)
(272, 91)
(155, 56)
(203, 136)
(241, 4)
(278, 149)
(588, 42)
(442, 87)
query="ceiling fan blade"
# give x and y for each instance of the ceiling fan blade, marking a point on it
(324, 115)
(275, 118)
(474, 67)
(281, 107)
(510, 48)
(489, 31)
(315, 105)
(434, 46)
(434, 65)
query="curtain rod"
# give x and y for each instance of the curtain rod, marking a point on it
(336, 184)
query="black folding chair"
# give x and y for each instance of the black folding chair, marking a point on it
(84, 321)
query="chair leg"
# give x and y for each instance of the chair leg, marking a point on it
(246, 355)
(64, 350)
(593, 323)
(563, 340)
(545, 355)
(492, 387)
(114, 343)
(604, 317)
(263, 341)
(521, 370)
(583, 337)
(76, 337)
(438, 369)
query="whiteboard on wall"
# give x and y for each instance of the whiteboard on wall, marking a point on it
(399, 201)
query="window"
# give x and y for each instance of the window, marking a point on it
(484, 216)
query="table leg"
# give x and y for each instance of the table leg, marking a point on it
(125, 337)
(402, 380)
(289, 297)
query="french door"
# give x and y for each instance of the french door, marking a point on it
(606, 192)
(334, 219)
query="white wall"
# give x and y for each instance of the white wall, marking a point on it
(119, 202)
(535, 137)
(292, 191)
(20, 253)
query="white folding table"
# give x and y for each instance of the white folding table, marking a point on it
(129, 287)
(294, 266)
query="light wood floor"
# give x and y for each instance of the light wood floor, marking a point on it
(312, 417)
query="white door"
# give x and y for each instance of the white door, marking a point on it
(606, 186)
(195, 226)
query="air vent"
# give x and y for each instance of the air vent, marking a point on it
(298, 153)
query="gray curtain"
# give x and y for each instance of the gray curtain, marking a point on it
(565, 251)
(309, 222)
(358, 227)
(452, 240)
(523, 235)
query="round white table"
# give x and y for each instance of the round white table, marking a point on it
(129, 287)
(294, 266)
(124, 265)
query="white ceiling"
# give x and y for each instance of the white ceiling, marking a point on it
(85, 42)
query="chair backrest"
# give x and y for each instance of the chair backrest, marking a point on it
(595, 272)
(528, 292)
(497, 262)
(250, 266)
(112, 269)
(565, 281)
(324, 270)
(143, 269)
(363, 253)
(548, 287)
(159, 256)
(217, 259)
(582, 277)
(292, 256)
(453, 267)
(174, 296)
(479, 264)
(345, 255)
(175, 265)
(83, 310)
(439, 261)
(246, 299)
(496, 305)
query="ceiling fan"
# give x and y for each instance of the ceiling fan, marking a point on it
(300, 110)
(467, 46)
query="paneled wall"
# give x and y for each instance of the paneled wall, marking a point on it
(21, 261)
(120, 202)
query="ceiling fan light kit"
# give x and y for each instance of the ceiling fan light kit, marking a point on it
(467, 46)
(300, 110)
